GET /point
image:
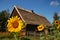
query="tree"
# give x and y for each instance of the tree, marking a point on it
(56, 17)
(3, 18)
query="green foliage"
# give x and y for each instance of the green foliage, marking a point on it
(55, 36)
(25, 38)
(3, 18)
(56, 17)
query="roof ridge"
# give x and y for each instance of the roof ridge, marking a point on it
(27, 10)
(39, 14)
(21, 8)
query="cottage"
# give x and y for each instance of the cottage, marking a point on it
(30, 17)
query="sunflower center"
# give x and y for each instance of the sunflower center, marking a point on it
(15, 24)
(56, 22)
(40, 27)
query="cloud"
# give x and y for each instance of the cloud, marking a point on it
(58, 13)
(54, 3)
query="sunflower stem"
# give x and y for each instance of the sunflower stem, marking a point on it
(15, 37)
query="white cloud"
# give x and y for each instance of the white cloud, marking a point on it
(58, 13)
(54, 3)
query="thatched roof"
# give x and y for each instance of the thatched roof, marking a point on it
(31, 17)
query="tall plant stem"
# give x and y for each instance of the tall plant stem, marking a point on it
(15, 37)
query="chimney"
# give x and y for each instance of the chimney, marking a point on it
(31, 11)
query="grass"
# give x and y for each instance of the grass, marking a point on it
(7, 36)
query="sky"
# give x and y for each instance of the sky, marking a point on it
(46, 8)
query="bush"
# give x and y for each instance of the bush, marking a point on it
(25, 38)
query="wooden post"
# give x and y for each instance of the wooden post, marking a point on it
(34, 33)
(46, 34)
(46, 31)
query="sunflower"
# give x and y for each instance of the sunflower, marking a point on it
(56, 22)
(40, 27)
(14, 24)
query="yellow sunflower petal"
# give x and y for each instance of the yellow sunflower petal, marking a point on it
(58, 27)
(16, 17)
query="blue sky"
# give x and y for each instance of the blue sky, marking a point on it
(41, 7)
